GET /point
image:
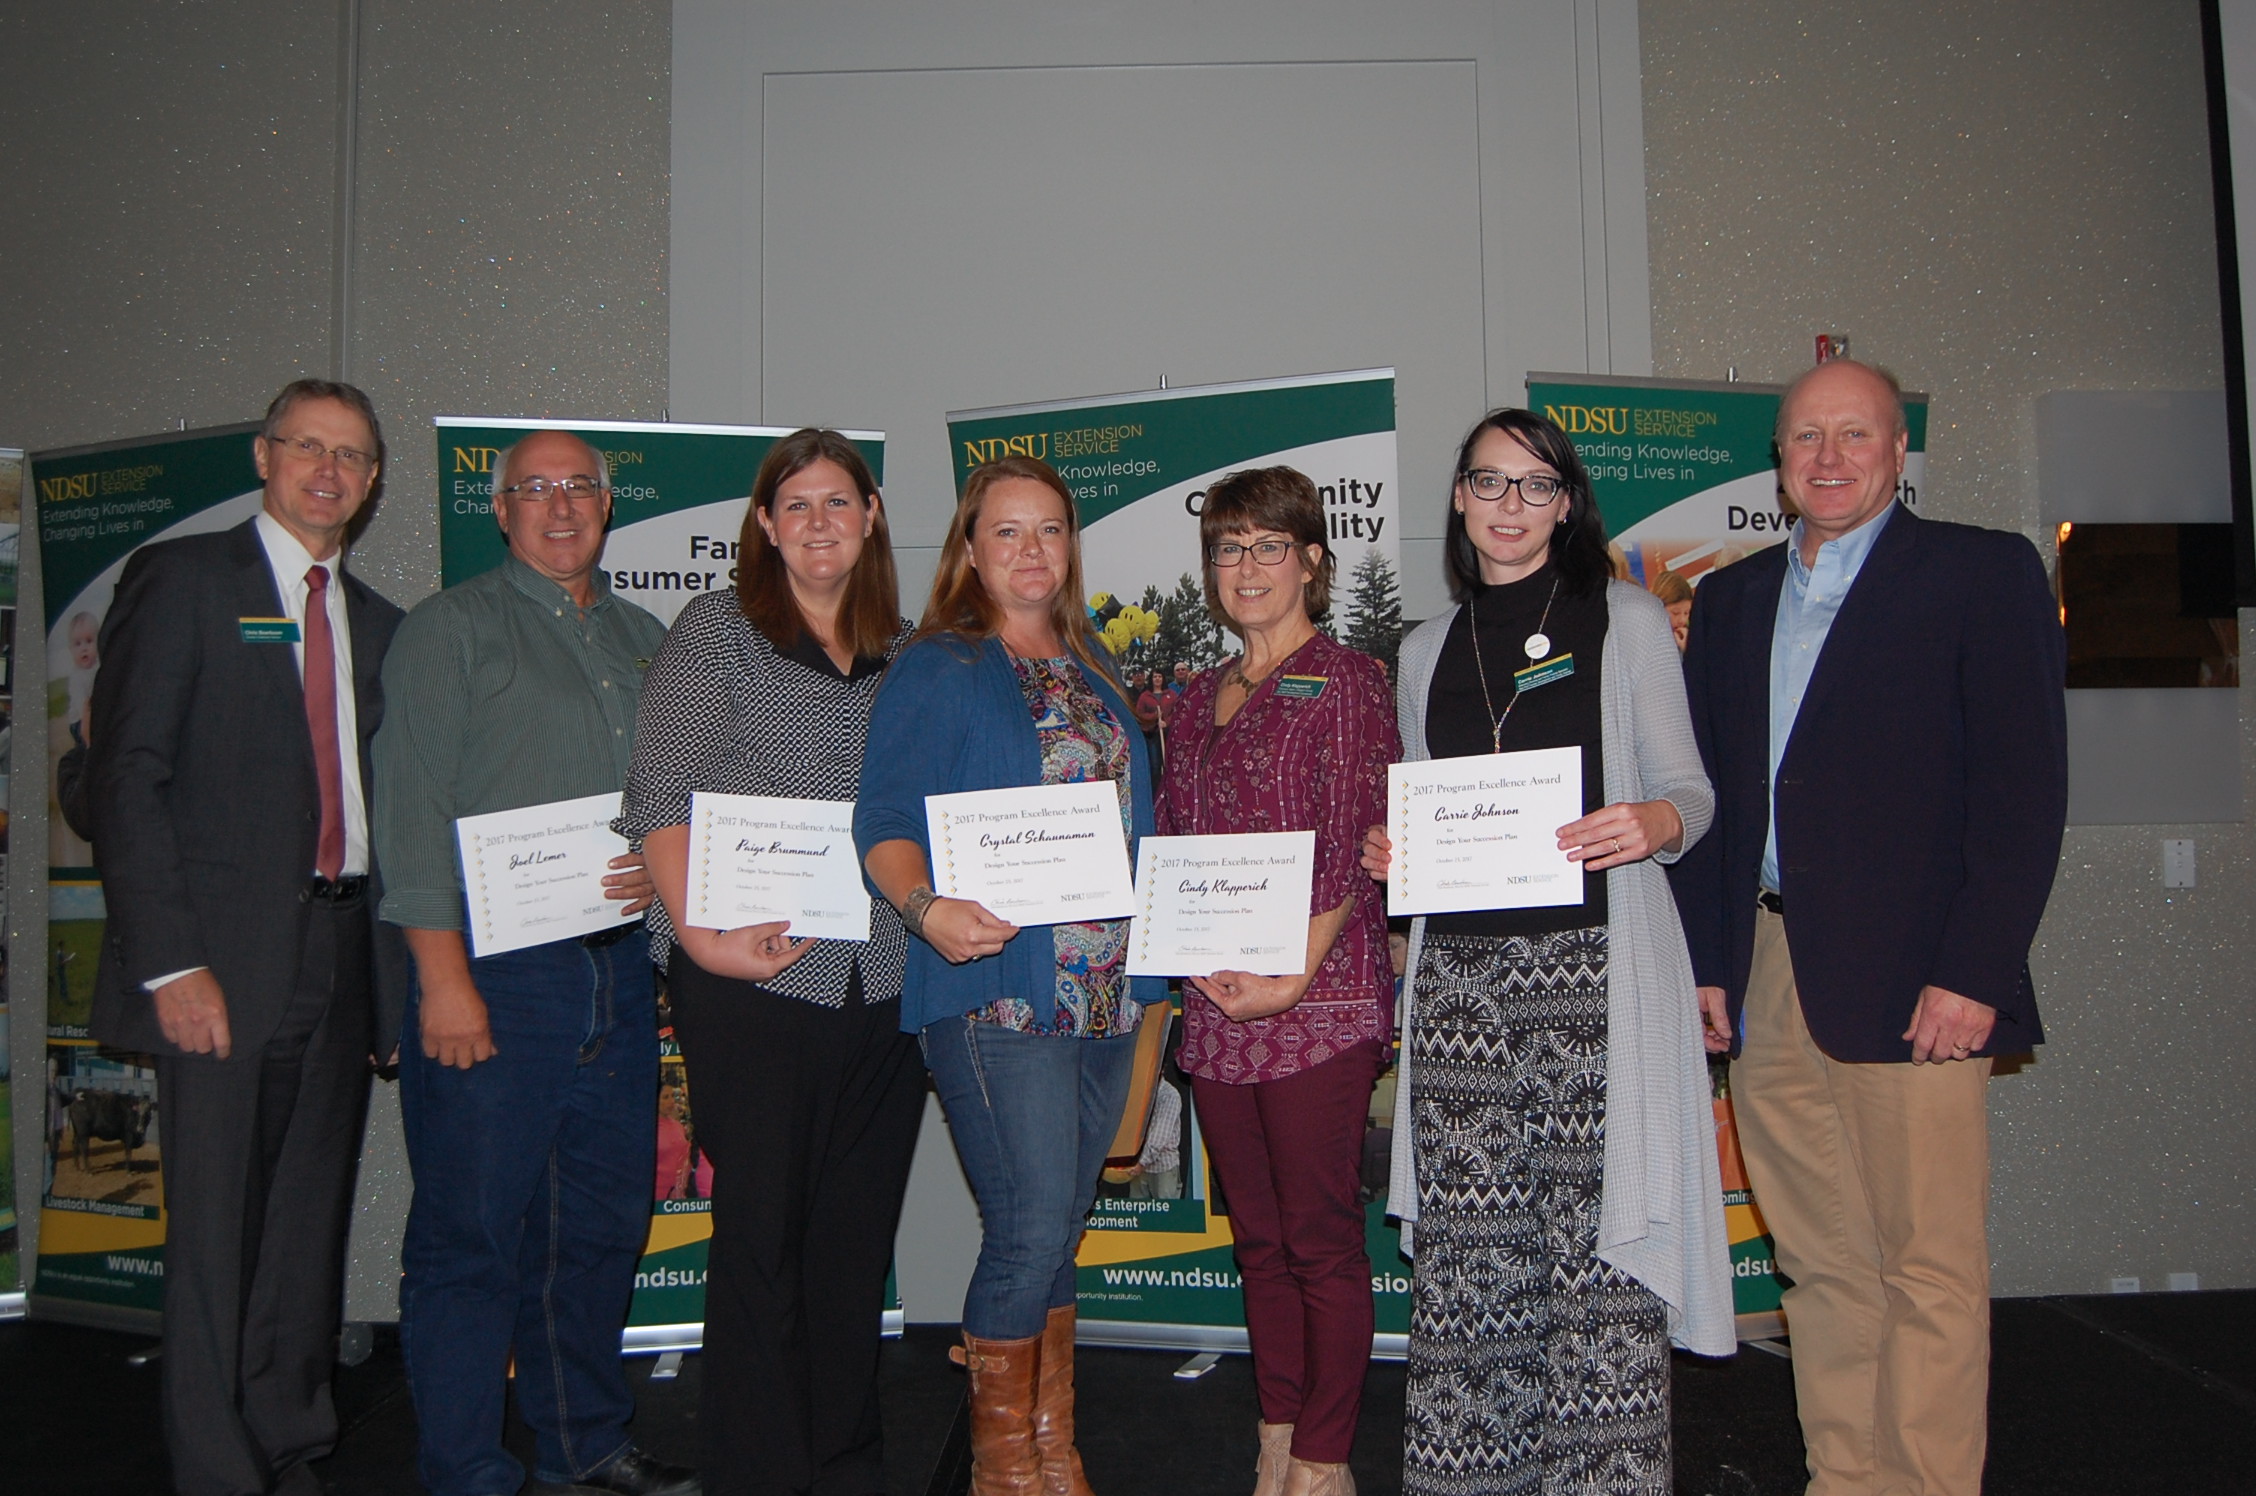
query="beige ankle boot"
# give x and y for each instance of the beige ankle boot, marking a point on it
(1276, 1459)
(1305, 1479)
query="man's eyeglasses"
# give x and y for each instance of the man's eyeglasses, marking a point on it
(1267, 552)
(568, 489)
(1538, 489)
(351, 459)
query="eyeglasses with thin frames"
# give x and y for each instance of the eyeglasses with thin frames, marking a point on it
(570, 490)
(351, 459)
(1267, 552)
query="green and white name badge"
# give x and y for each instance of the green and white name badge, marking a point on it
(1304, 687)
(269, 630)
(1558, 667)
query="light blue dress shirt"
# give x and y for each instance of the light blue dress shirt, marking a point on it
(1808, 602)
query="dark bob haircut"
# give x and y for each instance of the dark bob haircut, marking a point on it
(1578, 545)
(1270, 498)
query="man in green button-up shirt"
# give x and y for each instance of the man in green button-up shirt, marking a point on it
(528, 1079)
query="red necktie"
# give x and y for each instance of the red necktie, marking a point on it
(321, 717)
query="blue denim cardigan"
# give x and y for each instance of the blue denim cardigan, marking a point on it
(951, 717)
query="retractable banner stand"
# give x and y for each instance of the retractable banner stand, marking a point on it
(1686, 475)
(101, 1235)
(11, 513)
(1156, 1266)
(678, 496)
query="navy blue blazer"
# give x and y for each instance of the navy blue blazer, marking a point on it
(1921, 797)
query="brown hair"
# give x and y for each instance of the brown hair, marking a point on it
(869, 614)
(1671, 587)
(1270, 498)
(960, 603)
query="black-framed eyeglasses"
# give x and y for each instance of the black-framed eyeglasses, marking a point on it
(351, 459)
(1267, 552)
(1488, 484)
(568, 489)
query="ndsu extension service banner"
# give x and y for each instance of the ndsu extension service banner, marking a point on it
(101, 1234)
(1685, 470)
(1139, 466)
(1156, 1266)
(678, 497)
(11, 514)
(1686, 475)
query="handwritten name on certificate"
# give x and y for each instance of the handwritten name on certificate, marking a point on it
(1038, 856)
(1222, 903)
(536, 874)
(756, 858)
(1483, 832)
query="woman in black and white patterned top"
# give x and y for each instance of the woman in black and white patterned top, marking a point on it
(804, 1091)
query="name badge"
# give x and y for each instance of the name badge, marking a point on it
(1558, 667)
(1303, 686)
(269, 630)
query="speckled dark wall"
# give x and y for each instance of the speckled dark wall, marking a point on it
(172, 174)
(1995, 201)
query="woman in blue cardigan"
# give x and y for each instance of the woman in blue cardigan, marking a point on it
(1030, 1034)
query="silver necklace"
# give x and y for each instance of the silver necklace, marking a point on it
(1537, 646)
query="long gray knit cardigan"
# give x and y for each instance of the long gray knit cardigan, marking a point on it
(1661, 1200)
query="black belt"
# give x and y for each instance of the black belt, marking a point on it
(1775, 903)
(612, 936)
(320, 890)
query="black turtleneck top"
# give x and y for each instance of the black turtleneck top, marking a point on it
(1563, 714)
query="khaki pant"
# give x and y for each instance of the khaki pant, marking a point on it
(1875, 1181)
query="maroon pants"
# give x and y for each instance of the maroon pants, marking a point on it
(1289, 1154)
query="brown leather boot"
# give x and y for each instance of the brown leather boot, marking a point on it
(1003, 1374)
(1276, 1459)
(1053, 1411)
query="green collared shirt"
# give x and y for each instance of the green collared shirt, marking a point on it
(498, 693)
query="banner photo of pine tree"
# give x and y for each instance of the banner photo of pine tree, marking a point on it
(1139, 466)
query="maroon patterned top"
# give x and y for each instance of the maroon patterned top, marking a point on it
(1308, 752)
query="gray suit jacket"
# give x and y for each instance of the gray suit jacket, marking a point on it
(200, 787)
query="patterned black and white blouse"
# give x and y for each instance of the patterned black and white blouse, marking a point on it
(725, 711)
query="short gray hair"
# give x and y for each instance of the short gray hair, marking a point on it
(501, 458)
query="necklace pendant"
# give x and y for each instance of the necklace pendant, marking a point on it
(1538, 646)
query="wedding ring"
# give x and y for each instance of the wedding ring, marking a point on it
(1617, 846)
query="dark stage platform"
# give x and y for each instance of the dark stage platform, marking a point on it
(2131, 1394)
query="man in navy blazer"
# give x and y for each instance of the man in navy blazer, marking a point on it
(1879, 704)
(230, 825)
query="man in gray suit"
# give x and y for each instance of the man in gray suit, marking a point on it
(225, 784)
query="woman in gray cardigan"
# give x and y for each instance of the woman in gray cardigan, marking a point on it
(1554, 1153)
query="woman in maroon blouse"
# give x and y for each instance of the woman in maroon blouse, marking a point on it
(1294, 735)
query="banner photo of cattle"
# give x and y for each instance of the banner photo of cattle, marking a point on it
(103, 1143)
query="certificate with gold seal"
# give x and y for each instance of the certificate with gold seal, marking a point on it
(1483, 832)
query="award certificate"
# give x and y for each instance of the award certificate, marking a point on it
(1222, 903)
(756, 858)
(1037, 856)
(1483, 832)
(536, 874)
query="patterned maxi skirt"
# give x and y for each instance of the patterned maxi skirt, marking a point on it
(1534, 1367)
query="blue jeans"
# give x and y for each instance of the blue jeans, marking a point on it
(1032, 1116)
(532, 1204)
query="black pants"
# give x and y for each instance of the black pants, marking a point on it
(810, 1117)
(259, 1152)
